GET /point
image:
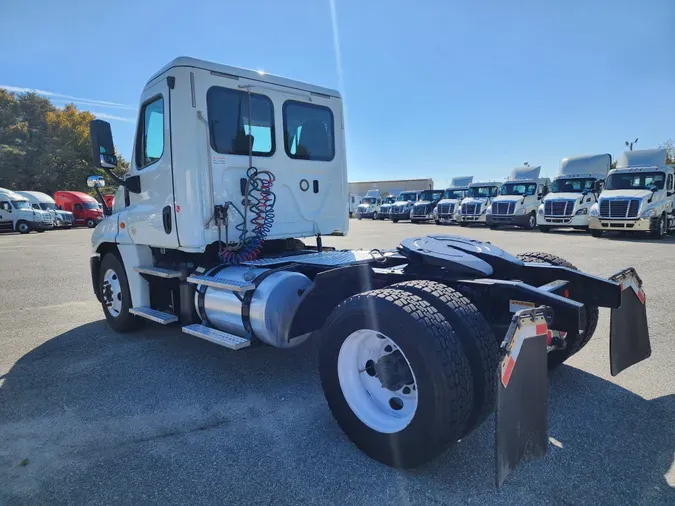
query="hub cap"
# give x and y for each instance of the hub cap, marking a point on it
(532, 221)
(377, 381)
(112, 293)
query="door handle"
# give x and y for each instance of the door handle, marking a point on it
(166, 218)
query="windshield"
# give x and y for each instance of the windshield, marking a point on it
(483, 191)
(572, 185)
(431, 195)
(21, 204)
(47, 206)
(368, 200)
(407, 197)
(518, 189)
(90, 205)
(454, 194)
(635, 181)
(389, 200)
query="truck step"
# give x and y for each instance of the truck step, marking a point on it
(217, 336)
(160, 272)
(232, 285)
(154, 315)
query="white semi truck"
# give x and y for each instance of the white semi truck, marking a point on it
(231, 167)
(42, 201)
(475, 205)
(638, 196)
(400, 210)
(573, 192)
(368, 208)
(423, 209)
(519, 199)
(18, 215)
(387, 203)
(446, 210)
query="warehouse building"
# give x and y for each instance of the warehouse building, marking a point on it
(399, 185)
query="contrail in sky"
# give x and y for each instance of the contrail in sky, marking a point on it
(112, 117)
(61, 96)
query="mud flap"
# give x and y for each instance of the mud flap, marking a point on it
(629, 332)
(521, 421)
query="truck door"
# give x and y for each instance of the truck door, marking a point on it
(6, 222)
(78, 213)
(150, 215)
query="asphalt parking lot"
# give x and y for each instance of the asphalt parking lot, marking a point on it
(88, 416)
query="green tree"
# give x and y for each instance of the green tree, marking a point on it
(670, 148)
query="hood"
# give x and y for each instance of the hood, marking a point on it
(449, 201)
(64, 213)
(364, 206)
(422, 202)
(563, 196)
(508, 198)
(636, 194)
(403, 204)
(472, 200)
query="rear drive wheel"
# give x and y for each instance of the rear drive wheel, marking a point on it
(115, 295)
(478, 342)
(596, 233)
(395, 376)
(23, 227)
(657, 228)
(575, 343)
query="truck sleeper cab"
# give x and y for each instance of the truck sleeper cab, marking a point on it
(42, 201)
(85, 209)
(518, 200)
(18, 215)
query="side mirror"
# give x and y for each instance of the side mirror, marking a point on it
(102, 147)
(653, 189)
(95, 182)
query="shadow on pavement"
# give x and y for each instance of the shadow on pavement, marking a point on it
(160, 417)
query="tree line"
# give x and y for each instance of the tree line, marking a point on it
(44, 148)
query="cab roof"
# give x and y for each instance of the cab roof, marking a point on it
(253, 75)
(642, 158)
(78, 195)
(485, 183)
(10, 194)
(39, 196)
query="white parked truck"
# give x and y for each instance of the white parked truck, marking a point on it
(42, 201)
(231, 167)
(385, 208)
(423, 209)
(476, 203)
(519, 199)
(400, 210)
(18, 215)
(637, 196)
(573, 192)
(447, 208)
(368, 208)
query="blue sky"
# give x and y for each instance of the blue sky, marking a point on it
(432, 88)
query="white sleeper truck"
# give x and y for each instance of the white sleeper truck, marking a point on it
(445, 211)
(18, 215)
(638, 196)
(519, 199)
(476, 203)
(231, 168)
(573, 192)
(400, 210)
(42, 201)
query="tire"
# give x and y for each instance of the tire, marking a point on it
(374, 215)
(442, 375)
(23, 227)
(463, 224)
(557, 357)
(596, 233)
(658, 228)
(478, 342)
(438, 222)
(358, 217)
(394, 220)
(531, 221)
(40, 230)
(544, 229)
(91, 223)
(494, 227)
(123, 321)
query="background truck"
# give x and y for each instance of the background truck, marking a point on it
(408, 339)
(85, 209)
(42, 201)
(445, 211)
(637, 196)
(573, 192)
(474, 206)
(400, 210)
(354, 201)
(368, 208)
(18, 215)
(519, 199)
(387, 203)
(423, 209)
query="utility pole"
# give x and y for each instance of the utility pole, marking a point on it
(630, 144)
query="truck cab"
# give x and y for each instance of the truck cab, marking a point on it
(368, 208)
(18, 215)
(638, 196)
(519, 199)
(400, 210)
(475, 205)
(385, 208)
(423, 209)
(573, 192)
(43, 202)
(85, 209)
(445, 211)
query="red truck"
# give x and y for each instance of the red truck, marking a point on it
(84, 207)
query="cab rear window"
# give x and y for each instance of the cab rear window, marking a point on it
(308, 131)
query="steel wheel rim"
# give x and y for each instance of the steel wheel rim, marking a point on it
(532, 221)
(361, 381)
(23, 227)
(112, 293)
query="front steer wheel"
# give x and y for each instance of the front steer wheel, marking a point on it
(575, 343)
(395, 376)
(115, 295)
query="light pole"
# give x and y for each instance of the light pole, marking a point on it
(630, 144)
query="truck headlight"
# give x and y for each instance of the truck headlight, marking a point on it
(649, 213)
(595, 210)
(488, 210)
(582, 211)
(541, 209)
(37, 217)
(522, 210)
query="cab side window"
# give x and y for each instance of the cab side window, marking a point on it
(5, 206)
(669, 184)
(150, 135)
(78, 207)
(36, 207)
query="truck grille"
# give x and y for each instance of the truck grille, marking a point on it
(503, 207)
(619, 208)
(470, 208)
(446, 209)
(421, 209)
(398, 210)
(559, 207)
